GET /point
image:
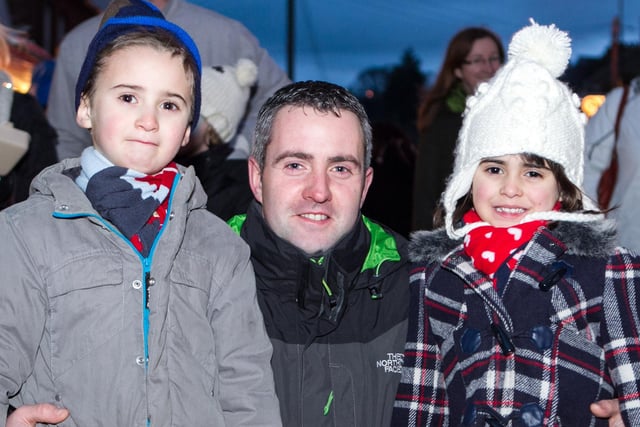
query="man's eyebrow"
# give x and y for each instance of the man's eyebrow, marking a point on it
(307, 156)
(346, 158)
(295, 154)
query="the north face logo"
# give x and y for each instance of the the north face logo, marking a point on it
(392, 364)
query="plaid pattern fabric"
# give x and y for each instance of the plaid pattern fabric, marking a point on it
(570, 318)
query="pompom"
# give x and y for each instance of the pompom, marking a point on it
(246, 72)
(544, 44)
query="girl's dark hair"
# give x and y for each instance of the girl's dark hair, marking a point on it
(570, 194)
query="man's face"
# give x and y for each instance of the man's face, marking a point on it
(313, 183)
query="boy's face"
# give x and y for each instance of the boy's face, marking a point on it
(139, 112)
(505, 189)
(314, 182)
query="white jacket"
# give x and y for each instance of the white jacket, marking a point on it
(599, 140)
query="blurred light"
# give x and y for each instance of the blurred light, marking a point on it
(591, 103)
(369, 93)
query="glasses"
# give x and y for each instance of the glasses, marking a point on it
(480, 61)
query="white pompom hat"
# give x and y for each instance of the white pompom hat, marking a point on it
(225, 94)
(524, 108)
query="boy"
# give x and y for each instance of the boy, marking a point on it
(118, 302)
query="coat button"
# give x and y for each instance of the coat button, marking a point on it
(470, 414)
(470, 340)
(140, 360)
(542, 336)
(136, 284)
(531, 415)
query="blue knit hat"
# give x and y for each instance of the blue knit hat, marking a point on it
(123, 16)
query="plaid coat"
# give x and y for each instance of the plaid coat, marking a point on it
(564, 332)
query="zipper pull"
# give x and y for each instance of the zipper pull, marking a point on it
(149, 282)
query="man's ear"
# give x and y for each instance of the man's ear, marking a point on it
(83, 115)
(255, 178)
(368, 179)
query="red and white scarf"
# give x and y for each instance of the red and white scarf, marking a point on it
(489, 247)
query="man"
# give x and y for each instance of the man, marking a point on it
(332, 284)
(220, 40)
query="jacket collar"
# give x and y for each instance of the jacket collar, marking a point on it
(368, 248)
(56, 182)
(591, 239)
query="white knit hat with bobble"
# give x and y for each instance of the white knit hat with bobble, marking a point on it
(524, 108)
(225, 94)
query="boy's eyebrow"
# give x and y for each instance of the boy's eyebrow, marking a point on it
(306, 156)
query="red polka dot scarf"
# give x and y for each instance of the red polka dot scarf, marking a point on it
(489, 247)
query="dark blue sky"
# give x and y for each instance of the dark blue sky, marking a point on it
(336, 39)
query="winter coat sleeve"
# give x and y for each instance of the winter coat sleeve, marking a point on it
(422, 397)
(23, 308)
(599, 140)
(243, 350)
(620, 331)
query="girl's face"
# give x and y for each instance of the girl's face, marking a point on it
(507, 188)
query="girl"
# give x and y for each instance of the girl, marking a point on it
(524, 312)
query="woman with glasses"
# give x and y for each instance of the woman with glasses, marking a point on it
(473, 56)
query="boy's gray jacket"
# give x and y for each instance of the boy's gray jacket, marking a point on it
(72, 329)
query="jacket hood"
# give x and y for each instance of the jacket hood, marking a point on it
(591, 239)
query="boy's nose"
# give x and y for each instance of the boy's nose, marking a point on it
(147, 120)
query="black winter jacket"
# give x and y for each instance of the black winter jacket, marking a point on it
(337, 322)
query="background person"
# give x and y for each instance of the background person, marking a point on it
(473, 56)
(225, 95)
(599, 143)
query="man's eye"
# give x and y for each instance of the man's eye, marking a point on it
(341, 169)
(293, 166)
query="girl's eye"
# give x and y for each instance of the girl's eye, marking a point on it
(493, 170)
(128, 98)
(533, 174)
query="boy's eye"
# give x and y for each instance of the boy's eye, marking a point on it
(170, 106)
